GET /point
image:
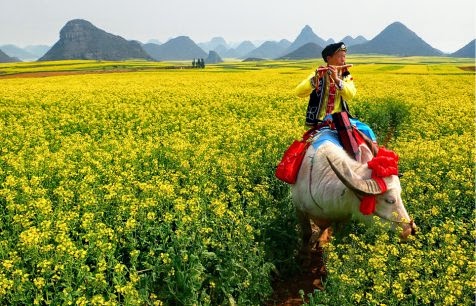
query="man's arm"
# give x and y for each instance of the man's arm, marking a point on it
(304, 88)
(348, 90)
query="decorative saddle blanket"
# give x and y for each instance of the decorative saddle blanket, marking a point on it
(324, 135)
(340, 132)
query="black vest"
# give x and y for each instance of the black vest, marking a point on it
(315, 102)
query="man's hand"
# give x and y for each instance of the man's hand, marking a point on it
(333, 74)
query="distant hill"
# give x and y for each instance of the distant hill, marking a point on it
(213, 44)
(221, 50)
(270, 49)
(37, 50)
(80, 39)
(467, 51)
(244, 48)
(154, 41)
(309, 50)
(14, 51)
(179, 48)
(240, 51)
(7, 59)
(349, 41)
(307, 35)
(213, 58)
(396, 39)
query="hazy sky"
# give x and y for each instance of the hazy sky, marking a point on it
(446, 25)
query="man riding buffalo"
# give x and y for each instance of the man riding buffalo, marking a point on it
(329, 88)
(337, 172)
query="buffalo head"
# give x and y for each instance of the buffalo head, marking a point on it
(387, 204)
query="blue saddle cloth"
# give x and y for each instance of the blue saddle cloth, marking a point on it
(325, 135)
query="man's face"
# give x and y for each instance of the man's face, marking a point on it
(337, 58)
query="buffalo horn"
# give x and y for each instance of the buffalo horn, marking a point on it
(360, 186)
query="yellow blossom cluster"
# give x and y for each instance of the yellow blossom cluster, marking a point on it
(157, 187)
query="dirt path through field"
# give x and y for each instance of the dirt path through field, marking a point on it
(286, 291)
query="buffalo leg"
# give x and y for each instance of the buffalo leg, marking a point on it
(324, 230)
(306, 233)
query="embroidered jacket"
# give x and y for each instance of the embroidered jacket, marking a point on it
(319, 96)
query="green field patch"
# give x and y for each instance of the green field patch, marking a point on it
(391, 68)
(363, 63)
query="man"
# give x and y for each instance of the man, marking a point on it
(329, 88)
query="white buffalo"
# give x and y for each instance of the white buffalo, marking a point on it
(330, 186)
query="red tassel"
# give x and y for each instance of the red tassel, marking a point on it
(382, 165)
(367, 205)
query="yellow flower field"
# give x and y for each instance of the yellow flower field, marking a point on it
(157, 187)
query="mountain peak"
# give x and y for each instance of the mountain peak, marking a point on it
(213, 58)
(178, 48)
(397, 39)
(81, 22)
(397, 24)
(80, 39)
(350, 41)
(307, 28)
(218, 41)
(398, 28)
(76, 25)
(213, 44)
(307, 35)
(181, 39)
(269, 49)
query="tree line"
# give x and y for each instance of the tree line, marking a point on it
(199, 63)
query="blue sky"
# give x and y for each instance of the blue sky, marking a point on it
(446, 25)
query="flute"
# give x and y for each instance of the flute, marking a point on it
(338, 67)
